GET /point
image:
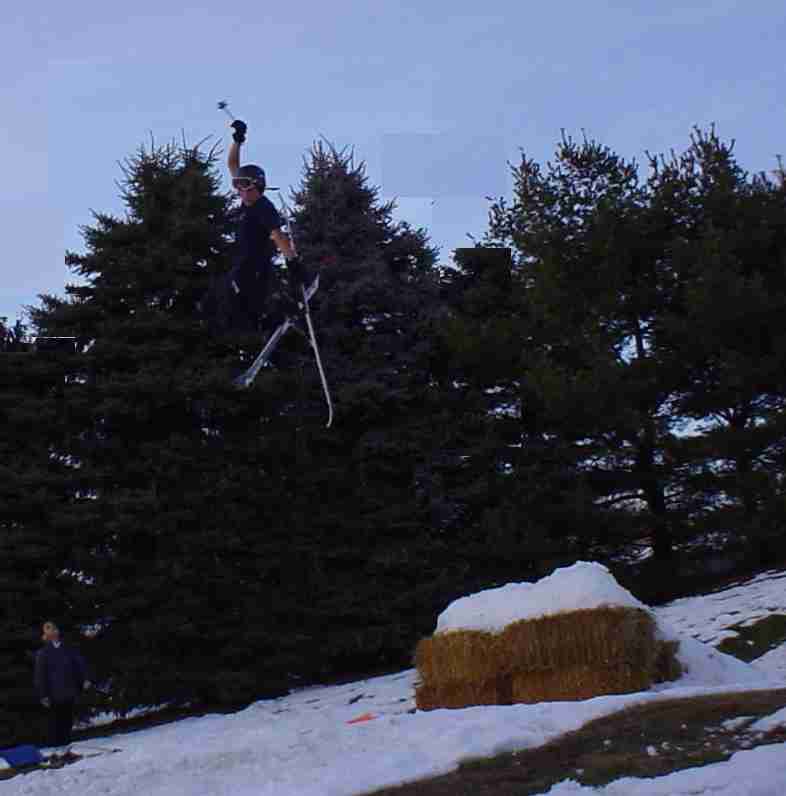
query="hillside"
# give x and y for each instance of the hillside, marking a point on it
(308, 744)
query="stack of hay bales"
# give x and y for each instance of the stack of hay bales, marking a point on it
(574, 635)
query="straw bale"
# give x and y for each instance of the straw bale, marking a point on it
(592, 637)
(597, 636)
(667, 665)
(459, 656)
(463, 694)
(569, 656)
(582, 681)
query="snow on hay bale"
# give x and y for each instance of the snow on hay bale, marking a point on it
(573, 635)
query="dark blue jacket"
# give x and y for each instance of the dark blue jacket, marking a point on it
(60, 673)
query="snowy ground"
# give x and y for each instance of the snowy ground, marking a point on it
(755, 772)
(102, 719)
(583, 585)
(304, 745)
(712, 618)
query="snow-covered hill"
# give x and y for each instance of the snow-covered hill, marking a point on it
(715, 617)
(307, 744)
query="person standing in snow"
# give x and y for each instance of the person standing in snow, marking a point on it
(60, 676)
(259, 237)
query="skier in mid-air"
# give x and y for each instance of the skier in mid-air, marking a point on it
(238, 301)
(259, 236)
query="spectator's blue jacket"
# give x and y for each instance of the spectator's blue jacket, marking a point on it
(60, 673)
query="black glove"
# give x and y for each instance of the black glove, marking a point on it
(240, 131)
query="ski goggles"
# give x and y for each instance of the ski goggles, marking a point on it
(243, 183)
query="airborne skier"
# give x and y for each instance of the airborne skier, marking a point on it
(259, 236)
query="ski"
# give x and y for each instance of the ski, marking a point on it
(287, 213)
(313, 340)
(246, 379)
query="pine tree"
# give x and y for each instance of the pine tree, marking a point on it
(595, 395)
(228, 522)
(479, 367)
(726, 333)
(140, 397)
(359, 525)
(652, 389)
(40, 545)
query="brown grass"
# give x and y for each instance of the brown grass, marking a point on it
(685, 732)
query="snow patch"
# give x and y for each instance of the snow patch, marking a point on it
(774, 663)
(757, 772)
(704, 665)
(770, 723)
(732, 725)
(583, 585)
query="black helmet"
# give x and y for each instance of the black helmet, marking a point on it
(254, 173)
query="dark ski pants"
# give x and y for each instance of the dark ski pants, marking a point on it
(249, 295)
(253, 306)
(61, 722)
(241, 300)
(235, 301)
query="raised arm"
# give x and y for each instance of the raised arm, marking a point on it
(233, 160)
(238, 137)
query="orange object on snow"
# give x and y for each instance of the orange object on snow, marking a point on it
(361, 718)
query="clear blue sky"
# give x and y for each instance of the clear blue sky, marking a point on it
(434, 95)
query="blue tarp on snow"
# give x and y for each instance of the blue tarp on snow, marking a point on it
(19, 756)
